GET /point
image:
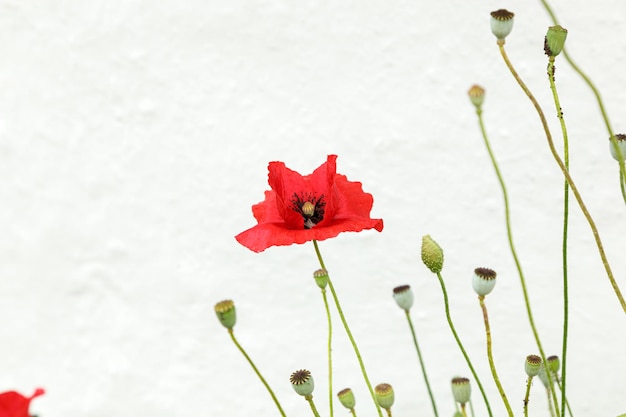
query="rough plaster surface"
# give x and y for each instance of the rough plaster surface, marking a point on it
(135, 135)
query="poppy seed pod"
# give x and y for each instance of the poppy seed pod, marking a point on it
(620, 139)
(554, 364)
(555, 40)
(346, 398)
(532, 365)
(483, 281)
(226, 313)
(461, 389)
(403, 296)
(501, 23)
(321, 278)
(302, 382)
(543, 376)
(477, 95)
(432, 254)
(384, 395)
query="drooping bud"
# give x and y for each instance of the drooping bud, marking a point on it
(483, 281)
(501, 23)
(384, 395)
(532, 365)
(346, 398)
(302, 382)
(555, 40)
(403, 296)
(432, 254)
(321, 278)
(461, 389)
(477, 95)
(226, 313)
(620, 140)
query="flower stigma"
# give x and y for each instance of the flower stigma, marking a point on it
(311, 208)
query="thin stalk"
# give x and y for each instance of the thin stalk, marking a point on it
(557, 104)
(569, 410)
(388, 412)
(330, 355)
(596, 93)
(256, 371)
(492, 365)
(568, 177)
(419, 355)
(458, 341)
(353, 412)
(471, 407)
(347, 329)
(529, 382)
(550, 406)
(309, 399)
(463, 410)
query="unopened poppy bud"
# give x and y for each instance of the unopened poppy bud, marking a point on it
(555, 40)
(532, 365)
(226, 313)
(302, 382)
(384, 395)
(543, 376)
(501, 23)
(461, 389)
(432, 254)
(403, 296)
(321, 278)
(346, 398)
(620, 139)
(554, 364)
(477, 95)
(483, 281)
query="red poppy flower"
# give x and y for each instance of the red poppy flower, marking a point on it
(14, 404)
(312, 207)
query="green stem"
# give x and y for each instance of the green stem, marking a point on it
(463, 410)
(569, 410)
(527, 396)
(243, 352)
(596, 93)
(568, 177)
(309, 399)
(557, 104)
(458, 341)
(353, 412)
(492, 365)
(347, 329)
(552, 413)
(419, 355)
(330, 355)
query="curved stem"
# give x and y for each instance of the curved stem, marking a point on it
(419, 355)
(256, 371)
(458, 341)
(309, 399)
(557, 104)
(330, 354)
(596, 93)
(568, 177)
(492, 365)
(347, 329)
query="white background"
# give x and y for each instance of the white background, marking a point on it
(135, 136)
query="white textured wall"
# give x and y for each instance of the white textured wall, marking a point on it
(135, 135)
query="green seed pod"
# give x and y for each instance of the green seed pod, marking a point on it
(432, 254)
(302, 382)
(226, 313)
(477, 95)
(346, 398)
(555, 40)
(403, 296)
(321, 278)
(620, 138)
(384, 395)
(483, 281)
(543, 376)
(461, 390)
(532, 365)
(501, 23)
(554, 364)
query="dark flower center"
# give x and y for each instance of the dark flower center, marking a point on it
(310, 207)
